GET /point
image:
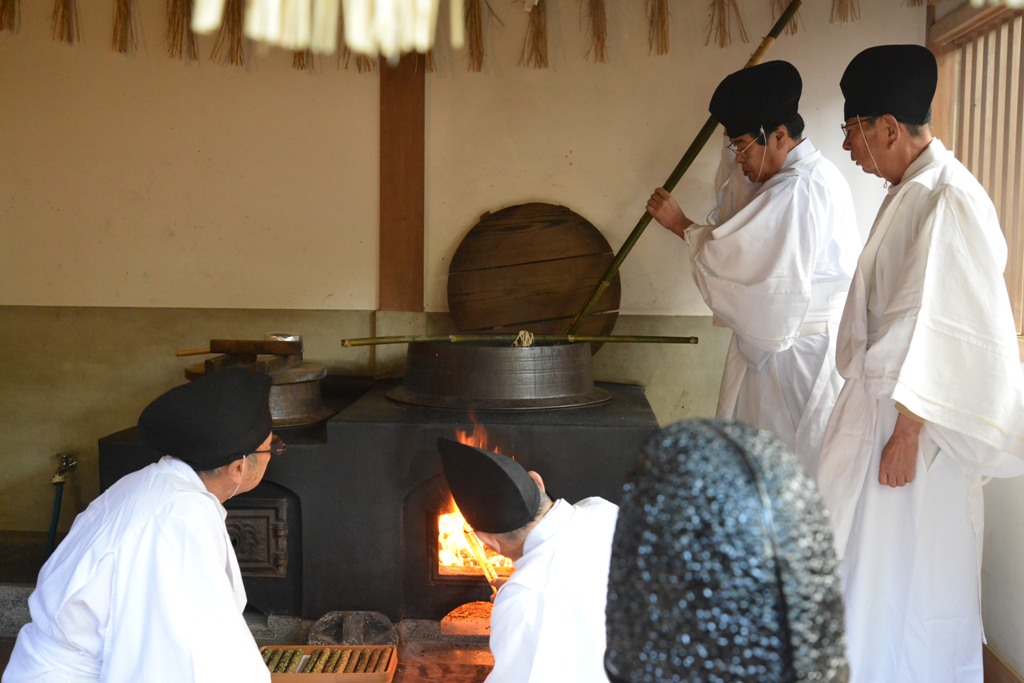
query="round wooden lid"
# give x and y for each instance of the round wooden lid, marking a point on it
(531, 267)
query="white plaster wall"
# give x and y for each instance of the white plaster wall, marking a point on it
(1002, 589)
(142, 181)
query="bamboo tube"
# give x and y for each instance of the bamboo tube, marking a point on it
(477, 548)
(691, 153)
(510, 338)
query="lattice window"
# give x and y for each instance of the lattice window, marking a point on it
(979, 113)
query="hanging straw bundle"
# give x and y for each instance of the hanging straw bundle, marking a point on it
(124, 26)
(918, 3)
(597, 27)
(475, 34)
(302, 60)
(364, 63)
(657, 29)
(65, 21)
(720, 22)
(845, 11)
(535, 46)
(778, 7)
(229, 35)
(9, 15)
(324, 39)
(181, 41)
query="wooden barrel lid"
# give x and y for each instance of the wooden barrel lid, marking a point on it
(531, 267)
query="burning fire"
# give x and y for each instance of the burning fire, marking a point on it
(455, 538)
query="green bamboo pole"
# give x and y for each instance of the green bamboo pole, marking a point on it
(511, 338)
(684, 164)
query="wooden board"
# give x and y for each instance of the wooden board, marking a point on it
(531, 267)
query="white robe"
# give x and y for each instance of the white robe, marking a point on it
(776, 272)
(548, 623)
(145, 587)
(928, 325)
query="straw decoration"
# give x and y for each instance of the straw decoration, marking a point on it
(778, 7)
(720, 22)
(229, 36)
(475, 34)
(9, 15)
(302, 60)
(124, 26)
(65, 21)
(181, 41)
(324, 30)
(597, 27)
(535, 46)
(845, 11)
(915, 3)
(364, 63)
(657, 30)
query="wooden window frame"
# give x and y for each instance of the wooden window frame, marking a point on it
(979, 112)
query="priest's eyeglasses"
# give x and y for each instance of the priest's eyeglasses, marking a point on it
(277, 447)
(845, 127)
(735, 149)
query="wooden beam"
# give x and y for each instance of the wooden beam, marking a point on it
(964, 23)
(402, 193)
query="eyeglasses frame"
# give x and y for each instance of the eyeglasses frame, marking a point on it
(277, 447)
(861, 120)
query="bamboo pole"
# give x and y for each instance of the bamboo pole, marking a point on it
(511, 338)
(691, 153)
(477, 548)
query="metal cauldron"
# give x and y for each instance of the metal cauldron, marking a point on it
(485, 377)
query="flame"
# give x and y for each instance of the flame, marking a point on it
(454, 554)
(477, 438)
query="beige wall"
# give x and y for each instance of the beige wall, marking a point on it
(148, 205)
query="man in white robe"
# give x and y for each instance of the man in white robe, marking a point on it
(776, 267)
(934, 395)
(548, 622)
(146, 586)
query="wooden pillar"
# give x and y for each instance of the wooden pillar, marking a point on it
(401, 184)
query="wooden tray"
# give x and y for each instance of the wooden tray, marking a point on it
(381, 674)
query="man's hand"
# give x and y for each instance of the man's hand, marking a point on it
(899, 457)
(664, 208)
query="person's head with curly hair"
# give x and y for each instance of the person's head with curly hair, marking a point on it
(722, 566)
